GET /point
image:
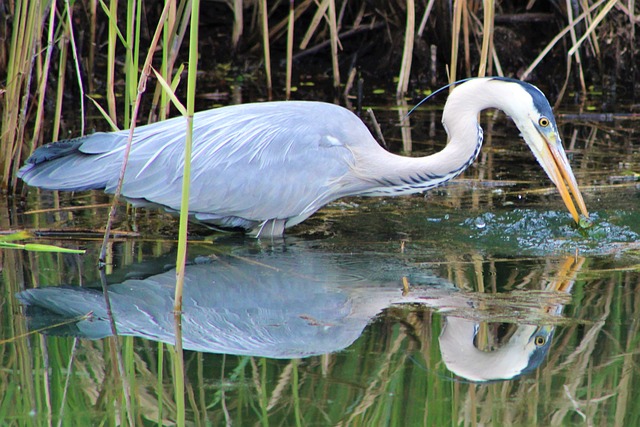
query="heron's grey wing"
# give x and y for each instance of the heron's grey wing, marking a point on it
(230, 307)
(84, 163)
(252, 161)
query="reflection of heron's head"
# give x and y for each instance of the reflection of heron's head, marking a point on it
(541, 340)
(522, 352)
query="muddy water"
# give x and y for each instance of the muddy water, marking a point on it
(479, 302)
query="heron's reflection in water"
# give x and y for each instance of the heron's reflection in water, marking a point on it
(464, 341)
(299, 303)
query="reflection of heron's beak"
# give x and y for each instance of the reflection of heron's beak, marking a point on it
(554, 161)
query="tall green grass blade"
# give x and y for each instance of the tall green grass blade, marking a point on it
(113, 34)
(20, 235)
(105, 115)
(26, 28)
(160, 383)
(184, 210)
(141, 88)
(42, 86)
(76, 63)
(169, 91)
(295, 388)
(113, 22)
(37, 247)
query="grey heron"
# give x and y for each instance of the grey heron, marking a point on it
(268, 166)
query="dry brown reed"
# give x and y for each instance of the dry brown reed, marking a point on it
(407, 53)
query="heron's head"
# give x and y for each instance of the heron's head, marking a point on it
(522, 351)
(530, 110)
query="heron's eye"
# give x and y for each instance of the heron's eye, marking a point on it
(544, 122)
(539, 341)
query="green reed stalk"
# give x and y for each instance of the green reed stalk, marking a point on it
(91, 54)
(63, 47)
(295, 387)
(25, 32)
(129, 365)
(42, 85)
(201, 388)
(45, 394)
(178, 371)
(69, 371)
(184, 211)
(173, 34)
(136, 107)
(186, 176)
(18, 384)
(76, 63)
(132, 53)
(159, 382)
(112, 14)
(165, 68)
(122, 377)
(263, 400)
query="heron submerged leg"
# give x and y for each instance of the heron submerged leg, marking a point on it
(270, 228)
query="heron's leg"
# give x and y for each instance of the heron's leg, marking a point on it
(270, 228)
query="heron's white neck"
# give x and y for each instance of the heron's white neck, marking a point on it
(463, 358)
(405, 175)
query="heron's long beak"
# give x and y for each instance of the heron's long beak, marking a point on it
(554, 161)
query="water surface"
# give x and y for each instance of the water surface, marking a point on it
(479, 302)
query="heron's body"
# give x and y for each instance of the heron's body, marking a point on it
(268, 166)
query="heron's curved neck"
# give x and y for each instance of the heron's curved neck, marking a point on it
(461, 355)
(404, 175)
(398, 175)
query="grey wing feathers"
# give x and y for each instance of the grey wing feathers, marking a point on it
(54, 151)
(250, 162)
(71, 165)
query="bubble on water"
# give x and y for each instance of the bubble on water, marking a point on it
(479, 223)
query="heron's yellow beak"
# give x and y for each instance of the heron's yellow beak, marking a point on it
(554, 161)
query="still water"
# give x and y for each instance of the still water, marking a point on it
(477, 303)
